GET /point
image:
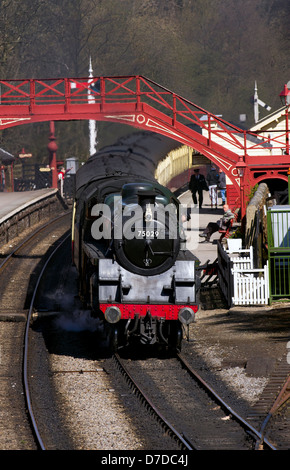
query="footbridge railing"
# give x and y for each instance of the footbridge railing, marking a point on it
(142, 103)
(67, 95)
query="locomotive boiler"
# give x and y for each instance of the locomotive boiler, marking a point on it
(135, 272)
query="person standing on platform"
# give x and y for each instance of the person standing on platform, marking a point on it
(196, 185)
(222, 185)
(212, 181)
(60, 176)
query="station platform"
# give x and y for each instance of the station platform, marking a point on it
(12, 203)
(204, 251)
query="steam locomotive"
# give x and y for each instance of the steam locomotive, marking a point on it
(134, 270)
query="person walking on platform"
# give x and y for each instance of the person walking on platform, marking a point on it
(212, 181)
(196, 185)
(222, 185)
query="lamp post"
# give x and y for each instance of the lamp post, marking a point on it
(52, 148)
(92, 122)
(241, 167)
(285, 99)
(288, 174)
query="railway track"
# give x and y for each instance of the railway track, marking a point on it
(46, 414)
(30, 409)
(29, 238)
(19, 268)
(180, 438)
(257, 435)
(270, 412)
(231, 430)
(180, 435)
(19, 271)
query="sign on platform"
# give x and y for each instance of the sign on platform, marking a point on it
(25, 155)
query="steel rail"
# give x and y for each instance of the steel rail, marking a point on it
(29, 238)
(281, 399)
(248, 427)
(26, 350)
(180, 438)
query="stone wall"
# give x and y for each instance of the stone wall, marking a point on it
(256, 223)
(40, 211)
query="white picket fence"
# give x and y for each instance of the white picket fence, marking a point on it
(240, 261)
(251, 286)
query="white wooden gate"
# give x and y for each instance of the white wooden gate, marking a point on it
(240, 260)
(251, 286)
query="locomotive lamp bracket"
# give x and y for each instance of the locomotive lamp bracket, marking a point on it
(125, 288)
(179, 283)
(148, 214)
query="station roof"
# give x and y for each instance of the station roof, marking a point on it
(5, 157)
(271, 121)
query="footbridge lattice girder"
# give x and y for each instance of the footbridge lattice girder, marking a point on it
(142, 103)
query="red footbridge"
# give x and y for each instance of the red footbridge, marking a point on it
(245, 157)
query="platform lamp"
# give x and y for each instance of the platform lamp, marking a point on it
(285, 99)
(241, 168)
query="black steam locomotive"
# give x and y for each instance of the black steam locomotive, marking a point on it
(134, 271)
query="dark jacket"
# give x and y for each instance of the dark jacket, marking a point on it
(212, 177)
(222, 181)
(197, 184)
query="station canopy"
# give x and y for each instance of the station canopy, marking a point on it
(5, 157)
